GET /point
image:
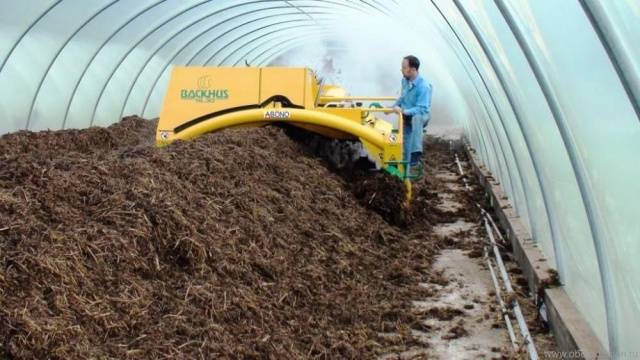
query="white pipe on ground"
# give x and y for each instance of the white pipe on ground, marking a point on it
(524, 329)
(503, 309)
(522, 324)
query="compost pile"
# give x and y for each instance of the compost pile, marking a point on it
(234, 245)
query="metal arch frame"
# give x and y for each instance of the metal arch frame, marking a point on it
(495, 125)
(55, 57)
(338, 3)
(382, 5)
(345, 5)
(297, 8)
(473, 127)
(502, 162)
(512, 174)
(241, 37)
(285, 44)
(591, 205)
(28, 30)
(485, 130)
(553, 226)
(485, 141)
(265, 43)
(612, 48)
(488, 135)
(504, 141)
(177, 53)
(209, 43)
(373, 7)
(95, 54)
(519, 166)
(485, 136)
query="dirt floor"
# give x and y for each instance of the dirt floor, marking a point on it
(460, 318)
(235, 245)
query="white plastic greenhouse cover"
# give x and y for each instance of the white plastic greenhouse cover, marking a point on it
(546, 91)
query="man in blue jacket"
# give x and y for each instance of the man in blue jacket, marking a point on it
(415, 104)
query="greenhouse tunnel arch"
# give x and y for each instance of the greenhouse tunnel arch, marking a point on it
(546, 92)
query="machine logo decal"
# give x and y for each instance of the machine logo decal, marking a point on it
(205, 82)
(204, 93)
(277, 115)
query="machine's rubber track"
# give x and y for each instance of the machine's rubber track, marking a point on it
(340, 154)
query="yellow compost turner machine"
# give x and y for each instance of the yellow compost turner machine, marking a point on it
(201, 100)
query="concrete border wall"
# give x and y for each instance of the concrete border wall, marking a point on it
(572, 333)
